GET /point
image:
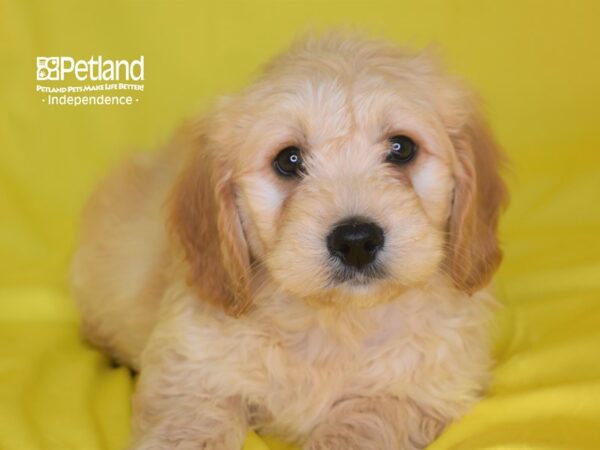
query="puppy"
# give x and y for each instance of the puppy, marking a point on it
(310, 260)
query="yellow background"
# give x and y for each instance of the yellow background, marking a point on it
(537, 64)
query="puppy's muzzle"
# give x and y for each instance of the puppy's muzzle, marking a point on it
(355, 242)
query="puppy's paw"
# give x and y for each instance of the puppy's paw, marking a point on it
(185, 444)
(323, 445)
(330, 443)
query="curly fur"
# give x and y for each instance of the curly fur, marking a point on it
(203, 269)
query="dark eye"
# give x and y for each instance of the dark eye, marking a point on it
(402, 149)
(288, 162)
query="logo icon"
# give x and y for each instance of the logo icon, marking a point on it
(48, 68)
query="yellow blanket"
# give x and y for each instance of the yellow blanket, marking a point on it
(536, 62)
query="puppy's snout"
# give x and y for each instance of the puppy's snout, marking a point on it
(355, 242)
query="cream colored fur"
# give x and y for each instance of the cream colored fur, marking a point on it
(203, 269)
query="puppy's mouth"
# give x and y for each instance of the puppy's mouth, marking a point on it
(356, 277)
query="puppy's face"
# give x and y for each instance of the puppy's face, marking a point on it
(345, 171)
(347, 186)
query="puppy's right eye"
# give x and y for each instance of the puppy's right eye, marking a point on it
(402, 149)
(288, 162)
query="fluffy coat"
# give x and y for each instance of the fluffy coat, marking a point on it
(206, 271)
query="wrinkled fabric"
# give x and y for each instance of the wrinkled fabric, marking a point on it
(534, 62)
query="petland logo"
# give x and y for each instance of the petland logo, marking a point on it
(60, 79)
(55, 68)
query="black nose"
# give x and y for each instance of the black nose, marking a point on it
(355, 242)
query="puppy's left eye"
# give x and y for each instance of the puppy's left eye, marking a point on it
(402, 149)
(288, 162)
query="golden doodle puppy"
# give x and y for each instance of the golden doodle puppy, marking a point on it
(310, 260)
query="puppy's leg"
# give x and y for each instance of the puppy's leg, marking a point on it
(380, 423)
(173, 408)
(171, 411)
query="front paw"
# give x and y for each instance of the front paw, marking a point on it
(368, 435)
(164, 443)
(327, 444)
(331, 443)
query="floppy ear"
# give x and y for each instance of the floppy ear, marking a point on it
(204, 218)
(479, 196)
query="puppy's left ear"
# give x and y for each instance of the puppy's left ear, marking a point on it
(479, 196)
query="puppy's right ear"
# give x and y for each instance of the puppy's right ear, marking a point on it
(205, 221)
